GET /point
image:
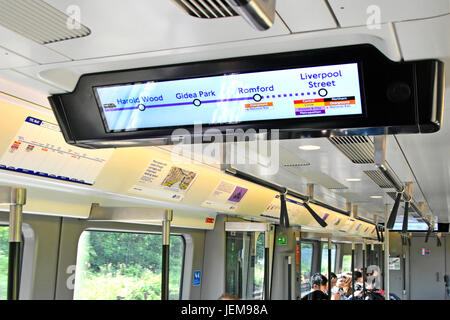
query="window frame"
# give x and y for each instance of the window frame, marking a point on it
(311, 267)
(342, 263)
(333, 263)
(23, 248)
(126, 230)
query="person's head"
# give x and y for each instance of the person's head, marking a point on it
(358, 277)
(372, 270)
(373, 276)
(333, 279)
(347, 286)
(227, 296)
(319, 282)
(340, 282)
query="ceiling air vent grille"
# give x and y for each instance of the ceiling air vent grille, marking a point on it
(207, 9)
(40, 22)
(359, 149)
(300, 163)
(379, 179)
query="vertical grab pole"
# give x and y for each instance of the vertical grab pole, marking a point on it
(364, 272)
(266, 263)
(329, 268)
(299, 248)
(386, 263)
(381, 260)
(404, 273)
(383, 247)
(298, 265)
(289, 277)
(353, 270)
(18, 199)
(168, 215)
(372, 254)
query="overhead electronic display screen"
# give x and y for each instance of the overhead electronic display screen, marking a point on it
(320, 91)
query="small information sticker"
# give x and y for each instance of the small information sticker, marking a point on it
(197, 278)
(394, 263)
(282, 241)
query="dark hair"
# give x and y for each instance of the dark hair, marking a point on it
(318, 279)
(333, 275)
(357, 275)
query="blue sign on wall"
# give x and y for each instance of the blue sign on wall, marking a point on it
(197, 278)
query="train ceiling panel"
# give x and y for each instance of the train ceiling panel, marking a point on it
(30, 89)
(9, 59)
(169, 44)
(27, 48)
(305, 15)
(65, 75)
(326, 165)
(361, 12)
(317, 177)
(433, 40)
(40, 22)
(369, 194)
(121, 27)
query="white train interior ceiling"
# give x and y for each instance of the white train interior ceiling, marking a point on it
(111, 191)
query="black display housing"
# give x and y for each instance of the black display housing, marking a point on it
(397, 97)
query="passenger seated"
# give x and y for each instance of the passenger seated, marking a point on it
(342, 289)
(373, 277)
(358, 279)
(337, 290)
(318, 288)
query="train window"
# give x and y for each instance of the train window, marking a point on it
(324, 263)
(125, 266)
(346, 263)
(4, 250)
(306, 265)
(245, 264)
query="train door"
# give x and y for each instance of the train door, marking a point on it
(246, 260)
(427, 269)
